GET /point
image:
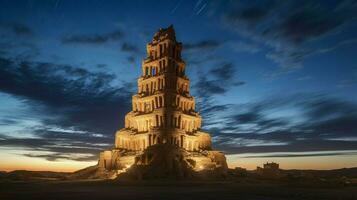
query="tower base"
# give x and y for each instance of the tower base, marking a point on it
(159, 161)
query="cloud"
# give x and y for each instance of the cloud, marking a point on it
(201, 45)
(215, 108)
(348, 82)
(131, 59)
(223, 78)
(327, 108)
(217, 81)
(76, 107)
(207, 87)
(225, 71)
(16, 41)
(18, 29)
(54, 145)
(251, 14)
(306, 25)
(239, 46)
(132, 50)
(316, 123)
(58, 156)
(290, 31)
(93, 39)
(7, 121)
(295, 146)
(203, 51)
(101, 65)
(127, 47)
(303, 154)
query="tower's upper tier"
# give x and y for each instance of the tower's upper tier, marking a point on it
(163, 54)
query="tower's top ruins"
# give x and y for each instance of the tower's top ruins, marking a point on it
(165, 33)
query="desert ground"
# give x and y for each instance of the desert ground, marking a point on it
(237, 184)
(172, 190)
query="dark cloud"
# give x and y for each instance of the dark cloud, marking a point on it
(93, 39)
(325, 124)
(256, 120)
(247, 47)
(59, 144)
(202, 45)
(307, 24)
(127, 47)
(250, 15)
(323, 108)
(290, 28)
(295, 146)
(132, 50)
(215, 108)
(84, 106)
(289, 155)
(200, 52)
(210, 110)
(337, 127)
(54, 85)
(59, 156)
(17, 28)
(224, 78)
(131, 59)
(207, 87)
(17, 41)
(225, 71)
(217, 81)
(246, 118)
(7, 121)
(32, 143)
(101, 65)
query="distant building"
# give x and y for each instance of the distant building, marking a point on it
(271, 166)
(239, 172)
(269, 170)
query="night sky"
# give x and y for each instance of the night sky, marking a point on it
(273, 80)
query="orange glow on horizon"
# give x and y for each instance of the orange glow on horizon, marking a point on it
(11, 162)
(54, 166)
(304, 162)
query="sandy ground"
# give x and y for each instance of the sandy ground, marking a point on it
(170, 190)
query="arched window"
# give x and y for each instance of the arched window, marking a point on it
(179, 121)
(160, 101)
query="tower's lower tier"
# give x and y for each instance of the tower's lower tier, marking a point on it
(161, 160)
(138, 141)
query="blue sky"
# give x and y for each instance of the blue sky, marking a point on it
(268, 76)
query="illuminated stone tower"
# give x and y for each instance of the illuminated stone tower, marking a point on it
(163, 112)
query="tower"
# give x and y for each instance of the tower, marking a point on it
(163, 112)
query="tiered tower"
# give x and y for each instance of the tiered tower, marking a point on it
(163, 111)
